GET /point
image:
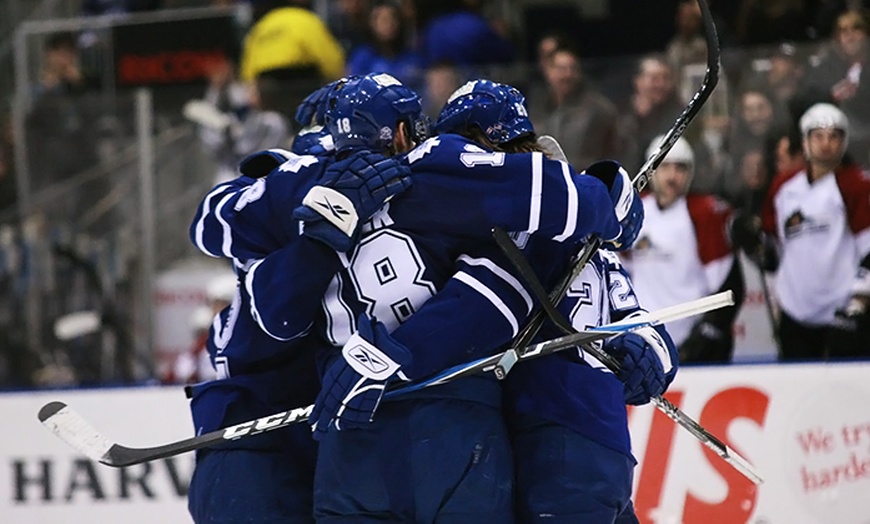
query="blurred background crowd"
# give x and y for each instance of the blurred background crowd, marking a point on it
(117, 116)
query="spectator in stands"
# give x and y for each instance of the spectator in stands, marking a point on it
(442, 79)
(61, 126)
(650, 111)
(825, 13)
(289, 44)
(583, 120)
(457, 32)
(688, 45)
(236, 119)
(765, 22)
(387, 49)
(755, 118)
(683, 253)
(819, 217)
(348, 20)
(840, 78)
(782, 79)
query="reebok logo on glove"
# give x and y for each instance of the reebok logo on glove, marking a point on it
(341, 212)
(368, 360)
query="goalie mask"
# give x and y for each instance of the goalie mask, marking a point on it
(499, 110)
(365, 111)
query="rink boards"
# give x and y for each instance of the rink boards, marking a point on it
(805, 427)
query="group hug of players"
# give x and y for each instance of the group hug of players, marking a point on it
(365, 258)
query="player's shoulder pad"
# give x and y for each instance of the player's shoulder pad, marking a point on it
(261, 163)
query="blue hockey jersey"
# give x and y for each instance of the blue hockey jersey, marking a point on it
(571, 387)
(261, 355)
(433, 244)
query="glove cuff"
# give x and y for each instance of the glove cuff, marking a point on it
(368, 360)
(334, 207)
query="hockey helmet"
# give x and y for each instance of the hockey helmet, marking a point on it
(680, 153)
(311, 111)
(364, 112)
(314, 140)
(499, 110)
(824, 115)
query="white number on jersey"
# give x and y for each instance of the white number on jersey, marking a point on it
(482, 159)
(387, 273)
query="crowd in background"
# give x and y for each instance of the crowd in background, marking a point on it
(590, 80)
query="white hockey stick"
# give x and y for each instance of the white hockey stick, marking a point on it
(73, 429)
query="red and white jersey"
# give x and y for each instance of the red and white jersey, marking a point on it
(823, 231)
(682, 253)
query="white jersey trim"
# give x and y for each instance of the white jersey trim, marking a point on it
(502, 274)
(537, 185)
(571, 218)
(492, 297)
(200, 224)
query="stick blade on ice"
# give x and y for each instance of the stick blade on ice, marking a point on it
(73, 429)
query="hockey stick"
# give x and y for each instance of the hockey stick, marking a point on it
(711, 78)
(720, 448)
(73, 429)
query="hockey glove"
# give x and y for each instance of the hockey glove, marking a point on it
(627, 205)
(649, 362)
(706, 343)
(852, 317)
(354, 384)
(349, 193)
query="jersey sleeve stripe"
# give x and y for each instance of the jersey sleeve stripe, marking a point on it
(249, 286)
(491, 297)
(502, 274)
(200, 224)
(227, 244)
(571, 218)
(537, 185)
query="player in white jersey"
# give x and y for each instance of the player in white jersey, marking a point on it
(820, 217)
(683, 253)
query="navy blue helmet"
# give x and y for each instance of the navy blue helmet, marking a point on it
(499, 110)
(314, 140)
(364, 112)
(311, 111)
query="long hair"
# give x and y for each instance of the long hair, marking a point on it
(527, 143)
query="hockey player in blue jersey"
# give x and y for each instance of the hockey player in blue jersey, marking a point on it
(407, 465)
(567, 412)
(258, 345)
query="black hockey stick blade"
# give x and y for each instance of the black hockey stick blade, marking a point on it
(73, 429)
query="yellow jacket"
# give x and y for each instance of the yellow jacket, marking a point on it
(290, 37)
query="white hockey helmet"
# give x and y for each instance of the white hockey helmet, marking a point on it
(824, 116)
(680, 153)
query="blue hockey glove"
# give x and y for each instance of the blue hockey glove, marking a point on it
(349, 193)
(310, 111)
(627, 205)
(354, 384)
(649, 362)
